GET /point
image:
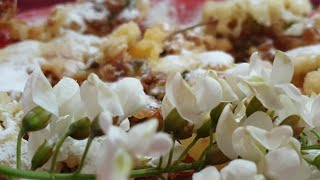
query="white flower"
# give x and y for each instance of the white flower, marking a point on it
(286, 163)
(39, 92)
(177, 151)
(262, 80)
(191, 101)
(123, 98)
(68, 106)
(122, 148)
(227, 125)
(251, 142)
(238, 169)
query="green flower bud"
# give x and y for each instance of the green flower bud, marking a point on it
(316, 161)
(204, 130)
(214, 156)
(96, 130)
(215, 115)
(80, 129)
(177, 126)
(42, 155)
(36, 119)
(296, 123)
(254, 106)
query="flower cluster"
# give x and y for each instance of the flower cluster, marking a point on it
(257, 125)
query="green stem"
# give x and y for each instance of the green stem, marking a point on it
(68, 176)
(310, 147)
(155, 171)
(19, 141)
(170, 155)
(316, 134)
(160, 162)
(84, 156)
(43, 175)
(184, 153)
(56, 152)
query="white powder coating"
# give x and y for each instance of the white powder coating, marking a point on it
(10, 118)
(70, 51)
(80, 13)
(192, 61)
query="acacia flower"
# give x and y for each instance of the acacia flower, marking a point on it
(121, 99)
(192, 101)
(261, 79)
(122, 148)
(238, 169)
(63, 100)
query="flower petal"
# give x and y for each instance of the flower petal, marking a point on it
(105, 121)
(245, 146)
(181, 96)
(285, 163)
(259, 119)
(225, 127)
(208, 173)
(141, 135)
(38, 92)
(160, 145)
(271, 140)
(239, 169)
(131, 96)
(208, 93)
(282, 69)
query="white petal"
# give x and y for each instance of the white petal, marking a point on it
(259, 119)
(125, 124)
(225, 127)
(166, 107)
(181, 96)
(271, 140)
(105, 121)
(239, 169)
(65, 89)
(160, 145)
(39, 89)
(141, 135)
(282, 70)
(267, 95)
(246, 146)
(177, 151)
(131, 95)
(284, 163)
(89, 97)
(227, 92)
(115, 163)
(208, 173)
(208, 93)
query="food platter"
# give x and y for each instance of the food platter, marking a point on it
(160, 89)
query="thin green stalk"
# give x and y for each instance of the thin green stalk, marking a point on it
(170, 155)
(19, 141)
(68, 176)
(84, 156)
(43, 175)
(310, 147)
(160, 162)
(155, 171)
(184, 153)
(56, 152)
(315, 133)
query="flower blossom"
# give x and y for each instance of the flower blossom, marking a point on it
(238, 169)
(63, 101)
(122, 148)
(192, 101)
(121, 99)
